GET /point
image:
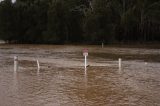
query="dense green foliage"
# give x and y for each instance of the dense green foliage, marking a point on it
(82, 21)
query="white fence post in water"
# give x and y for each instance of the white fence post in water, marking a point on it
(15, 63)
(38, 66)
(85, 54)
(85, 62)
(120, 63)
(102, 44)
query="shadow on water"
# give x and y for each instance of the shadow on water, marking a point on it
(85, 78)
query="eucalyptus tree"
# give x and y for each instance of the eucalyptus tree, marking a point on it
(65, 21)
(6, 20)
(100, 22)
(149, 13)
(60, 21)
(134, 17)
(31, 20)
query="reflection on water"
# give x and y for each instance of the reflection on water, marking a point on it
(59, 84)
(38, 71)
(85, 78)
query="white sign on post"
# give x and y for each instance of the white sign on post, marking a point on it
(85, 54)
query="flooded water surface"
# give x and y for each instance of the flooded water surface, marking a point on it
(63, 81)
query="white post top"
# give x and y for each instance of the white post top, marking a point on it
(15, 58)
(85, 52)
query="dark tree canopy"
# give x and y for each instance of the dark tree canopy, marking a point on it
(80, 21)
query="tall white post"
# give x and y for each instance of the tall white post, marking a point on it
(102, 44)
(120, 63)
(15, 63)
(85, 54)
(85, 62)
(38, 66)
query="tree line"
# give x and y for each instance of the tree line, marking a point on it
(80, 21)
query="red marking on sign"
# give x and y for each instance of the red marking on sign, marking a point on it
(85, 52)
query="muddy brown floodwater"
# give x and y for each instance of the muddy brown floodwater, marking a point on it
(62, 80)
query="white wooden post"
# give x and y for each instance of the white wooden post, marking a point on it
(85, 54)
(102, 44)
(38, 66)
(85, 62)
(15, 63)
(120, 63)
